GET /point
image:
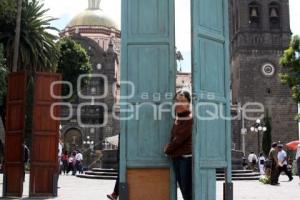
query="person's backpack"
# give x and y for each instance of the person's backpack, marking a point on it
(261, 162)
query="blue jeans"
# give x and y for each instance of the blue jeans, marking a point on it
(183, 171)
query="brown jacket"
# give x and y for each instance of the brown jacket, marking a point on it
(181, 137)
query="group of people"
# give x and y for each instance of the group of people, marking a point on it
(278, 163)
(71, 162)
(275, 164)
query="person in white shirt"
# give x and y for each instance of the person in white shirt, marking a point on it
(79, 159)
(60, 148)
(252, 159)
(261, 164)
(298, 160)
(282, 160)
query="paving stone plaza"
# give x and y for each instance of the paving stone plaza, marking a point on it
(73, 188)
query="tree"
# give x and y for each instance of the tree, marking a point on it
(290, 60)
(3, 74)
(37, 50)
(73, 61)
(267, 136)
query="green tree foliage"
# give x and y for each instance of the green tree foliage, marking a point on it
(3, 73)
(37, 50)
(290, 60)
(8, 13)
(267, 136)
(73, 61)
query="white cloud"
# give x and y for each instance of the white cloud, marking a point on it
(59, 8)
(69, 8)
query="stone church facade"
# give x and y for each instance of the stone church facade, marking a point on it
(100, 37)
(259, 33)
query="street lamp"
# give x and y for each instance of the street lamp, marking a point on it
(89, 142)
(258, 127)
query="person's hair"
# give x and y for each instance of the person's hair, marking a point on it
(274, 144)
(261, 154)
(184, 93)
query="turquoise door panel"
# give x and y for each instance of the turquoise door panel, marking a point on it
(211, 102)
(146, 138)
(148, 63)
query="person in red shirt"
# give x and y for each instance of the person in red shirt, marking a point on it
(180, 145)
(64, 159)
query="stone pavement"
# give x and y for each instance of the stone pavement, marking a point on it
(73, 188)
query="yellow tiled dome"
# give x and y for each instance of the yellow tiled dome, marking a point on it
(95, 17)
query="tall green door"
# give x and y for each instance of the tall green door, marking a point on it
(211, 105)
(148, 78)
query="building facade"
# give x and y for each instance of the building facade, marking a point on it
(100, 37)
(260, 32)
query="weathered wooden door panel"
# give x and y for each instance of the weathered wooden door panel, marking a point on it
(45, 136)
(14, 137)
(148, 62)
(211, 105)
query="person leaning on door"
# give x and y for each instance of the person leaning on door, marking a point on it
(180, 145)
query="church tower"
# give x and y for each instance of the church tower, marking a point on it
(259, 32)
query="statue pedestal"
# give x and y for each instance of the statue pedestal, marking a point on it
(237, 159)
(109, 159)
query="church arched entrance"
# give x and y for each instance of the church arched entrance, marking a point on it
(72, 139)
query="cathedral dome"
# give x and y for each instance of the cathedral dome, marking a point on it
(93, 16)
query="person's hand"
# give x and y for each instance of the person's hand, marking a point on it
(165, 148)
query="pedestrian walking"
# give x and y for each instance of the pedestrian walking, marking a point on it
(274, 166)
(79, 160)
(115, 194)
(64, 160)
(282, 160)
(298, 160)
(59, 155)
(252, 159)
(261, 164)
(70, 163)
(26, 156)
(180, 145)
(74, 163)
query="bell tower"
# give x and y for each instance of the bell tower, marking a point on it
(259, 33)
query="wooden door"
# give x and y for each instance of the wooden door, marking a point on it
(14, 135)
(148, 63)
(45, 136)
(211, 103)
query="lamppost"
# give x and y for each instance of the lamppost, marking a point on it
(243, 129)
(89, 142)
(258, 127)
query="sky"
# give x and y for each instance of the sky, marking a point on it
(64, 10)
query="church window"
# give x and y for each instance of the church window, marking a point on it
(274, 15)
(254, 14)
